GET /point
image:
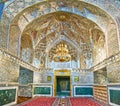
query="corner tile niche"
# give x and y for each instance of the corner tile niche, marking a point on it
(25, 80)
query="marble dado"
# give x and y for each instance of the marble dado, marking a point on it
(114, 95)
(42, 89)
(8, 96)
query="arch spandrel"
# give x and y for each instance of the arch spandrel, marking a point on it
(35, 11)
(25, 3)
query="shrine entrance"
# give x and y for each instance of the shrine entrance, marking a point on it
(62, 86)
(62, 83)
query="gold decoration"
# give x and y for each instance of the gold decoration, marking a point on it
(48, 78)
(63, 85)
(76, 78)
(42, 63)
(61, 16)
(62, 54)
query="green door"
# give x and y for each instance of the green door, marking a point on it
(63, 86)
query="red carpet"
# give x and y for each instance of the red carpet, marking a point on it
(83, 102)
(40, 101)
(53, 101)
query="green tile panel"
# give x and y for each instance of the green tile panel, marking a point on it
(7, 96)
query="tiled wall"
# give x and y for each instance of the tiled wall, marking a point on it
(25, 76)
(9, 69)
(83, 91)
(112, 40)
(114, 95)
(37, 77)
(8, 95)
(45, 77)
(84, 77)
(25, 91)
(113, 72)
(43, 91)
(100, 76)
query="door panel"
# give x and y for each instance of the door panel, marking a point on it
(63, 86)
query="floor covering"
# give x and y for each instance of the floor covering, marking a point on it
(57, 101)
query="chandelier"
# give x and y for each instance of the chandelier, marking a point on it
(62, 54)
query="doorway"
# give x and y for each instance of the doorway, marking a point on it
(62, 85)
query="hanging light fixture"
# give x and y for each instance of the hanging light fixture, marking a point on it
(62, 54)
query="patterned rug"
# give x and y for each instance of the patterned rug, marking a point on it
(84, 102)
(39, 101)
(56, 101)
